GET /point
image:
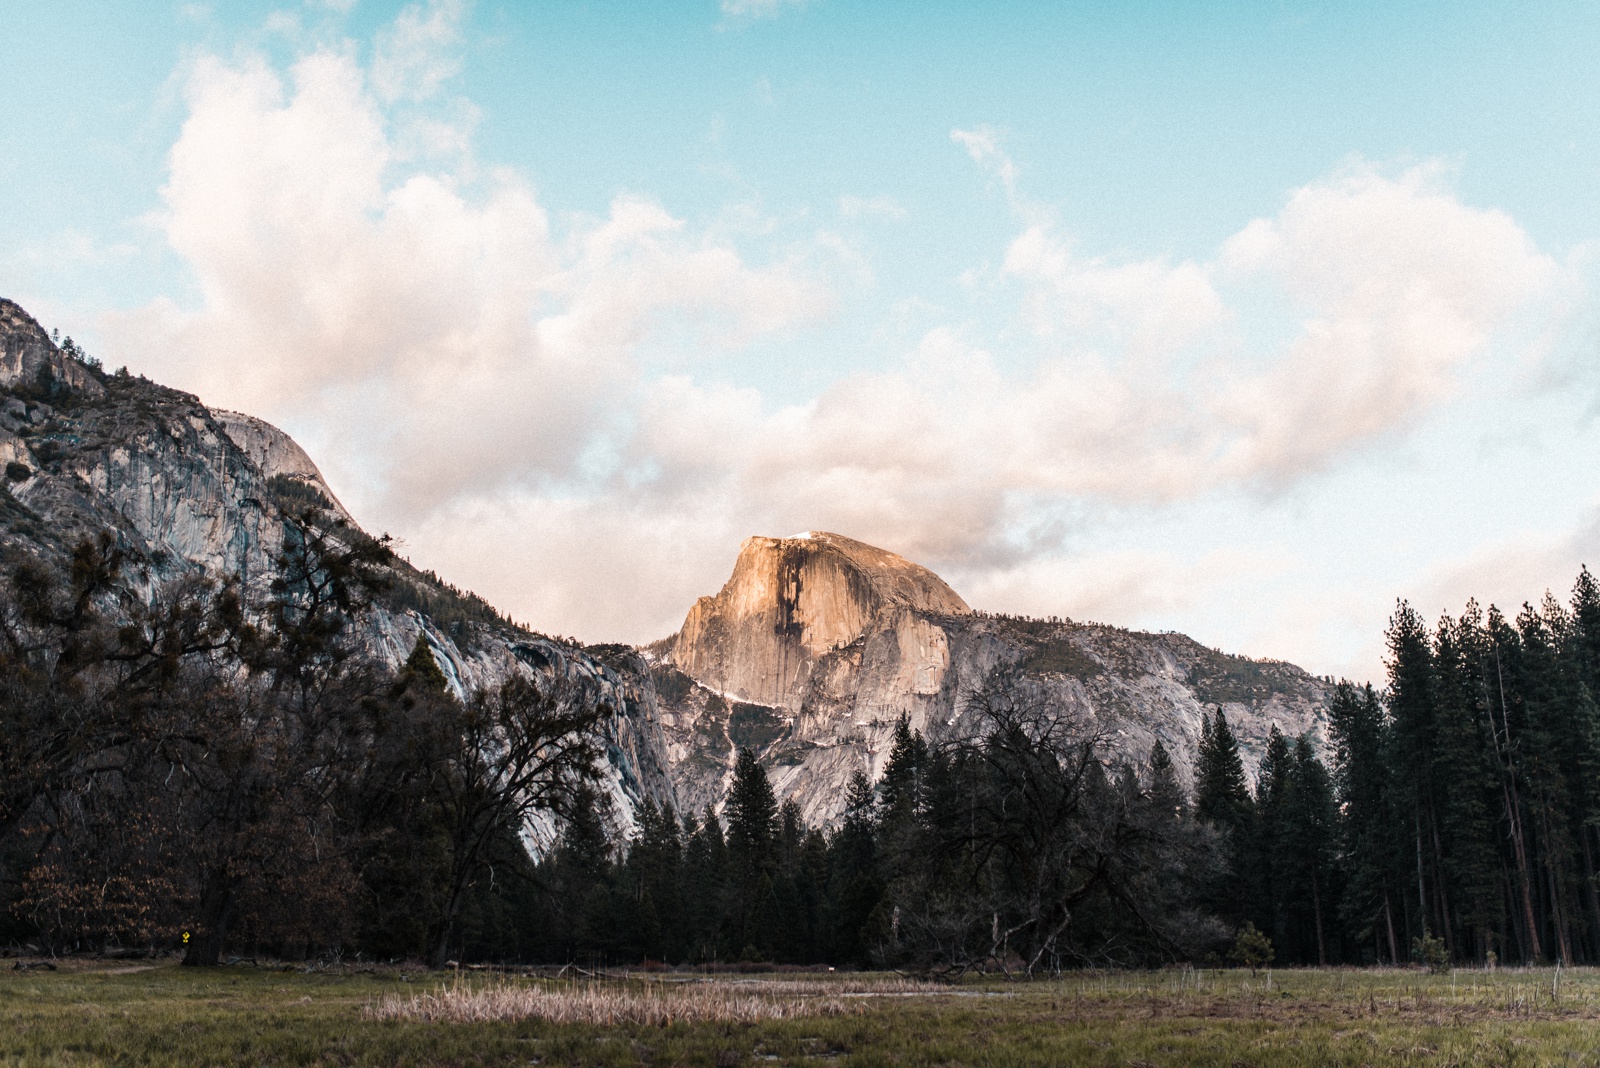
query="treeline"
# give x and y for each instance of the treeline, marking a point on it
(235, 775)
(1458, 815)
(229, 773)
(222, 773)
(1015, 846)
(1453, 816)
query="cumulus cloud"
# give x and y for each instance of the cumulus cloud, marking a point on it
(485, 381)
(419, 52)
(448, 344)
(1390, 288)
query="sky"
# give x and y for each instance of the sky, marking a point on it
(1239, 319)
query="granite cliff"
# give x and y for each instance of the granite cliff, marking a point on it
(186, 489)
(818, 644)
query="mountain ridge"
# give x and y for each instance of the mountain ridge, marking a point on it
(809, 654)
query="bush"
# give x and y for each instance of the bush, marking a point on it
(1252, 948)
(1430, 950)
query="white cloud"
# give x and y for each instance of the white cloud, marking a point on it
(983, 145)
(479, 379)
(853, 207)
(440, 344)
(419, 52)
(757, 9)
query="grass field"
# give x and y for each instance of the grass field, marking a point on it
(99, 1014)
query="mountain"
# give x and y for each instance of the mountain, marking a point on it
(186, 489)
(818, 644)
(809, 654)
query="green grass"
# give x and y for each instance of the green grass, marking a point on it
(241, 1015)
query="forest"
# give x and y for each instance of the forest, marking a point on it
(205, 771)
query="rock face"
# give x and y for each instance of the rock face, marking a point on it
(185, 489)
(818, 644)
(792, 601)
(276, 453)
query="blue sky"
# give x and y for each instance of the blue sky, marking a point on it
(1238, 319)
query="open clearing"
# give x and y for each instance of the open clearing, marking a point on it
(245, 1015)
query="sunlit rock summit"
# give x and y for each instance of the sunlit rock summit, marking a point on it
(818, 644)
(793, 604)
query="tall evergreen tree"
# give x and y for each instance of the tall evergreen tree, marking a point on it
(1468, 788)
(752, 811)
(1222, 799)
(705, 865)
(1413, 715)
(854, 888)
(1306, 873)
(1358, 729)
(1265, 856)
(1166, 792)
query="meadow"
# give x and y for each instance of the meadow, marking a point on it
(110, 1013)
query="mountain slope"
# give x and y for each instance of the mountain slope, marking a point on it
(809, 653)
(185, 489)
(818, 644)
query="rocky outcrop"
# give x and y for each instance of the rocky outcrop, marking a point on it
(792, 601)
(185, 489)
(276, 454)
(818, 645)
(26, 351)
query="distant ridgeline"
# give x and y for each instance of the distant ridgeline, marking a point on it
(226, 710)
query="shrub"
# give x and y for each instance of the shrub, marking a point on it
(1430, 950)
(1252, 948)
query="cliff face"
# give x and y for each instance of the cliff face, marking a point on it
(817, 645)
(792, 601)
(186, 489)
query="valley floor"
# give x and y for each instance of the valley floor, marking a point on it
(122, 1014)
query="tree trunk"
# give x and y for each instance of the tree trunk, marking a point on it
(1316, 907)
(1439, 889)
(206, 942)
(1422, 894)
(1388, 919)
(1513, 803)
(1584, 834)
(441, 952)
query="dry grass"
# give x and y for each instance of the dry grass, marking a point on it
(610, 1004)
(850, 986)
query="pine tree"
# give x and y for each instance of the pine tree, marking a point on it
(854, 888)
(1222, 795)
(1222, 798)
(752, 811)
(421, 670)
(1307, 870)
(705, 865)
(900, 788)
(1166, 793)
(1358, 729)
(1265, 857)
(582, 866)
(655, 868)
(1413, 715)
(1468, 786)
